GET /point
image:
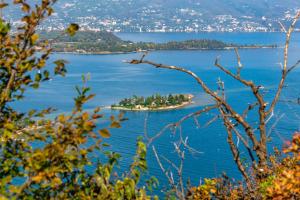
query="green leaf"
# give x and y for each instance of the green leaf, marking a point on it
(46, 75)
(60, 68)
(4, 28)
(35, 85)
(38, 77)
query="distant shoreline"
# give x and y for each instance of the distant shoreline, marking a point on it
(190, 49)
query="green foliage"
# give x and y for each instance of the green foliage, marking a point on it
(72, 29)
(100, 42)
(42, 158)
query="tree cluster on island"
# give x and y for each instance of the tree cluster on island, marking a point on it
(154, 101)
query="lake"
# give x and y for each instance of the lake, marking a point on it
(112, 80)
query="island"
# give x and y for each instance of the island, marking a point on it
(154, 103)
(89, 42)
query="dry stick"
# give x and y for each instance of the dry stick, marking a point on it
(285, 69)
(234, 149)
(169, 177)
(211, 121)
(172, 125)
(261, 148)
(184, 142)
(282, 27)
(197, 113)
(146, 127)
(181, 155)
(274, 125)
(221, 87)
(171, 163)
(294, 66)
(246, 144)
(240, 66)
(219, 100)
(161, 132)
(250, 107)
(285, 72)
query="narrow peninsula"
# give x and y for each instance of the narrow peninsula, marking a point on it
(88, 42)
(154, 102)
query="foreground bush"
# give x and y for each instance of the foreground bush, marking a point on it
(41, 158)
(284, 183)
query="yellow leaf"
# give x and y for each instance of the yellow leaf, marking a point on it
(88, 125)
(104, 133)
(2, 5)
(97, 110)
(112, 118)
(3, 198)
(61, 118)
(37, 178)
(34, 38)
(115, 125)
(85, 116)
(56, 181)
(25, 7)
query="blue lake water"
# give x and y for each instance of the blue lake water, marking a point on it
(112, 80)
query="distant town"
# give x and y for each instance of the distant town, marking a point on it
(142, 16)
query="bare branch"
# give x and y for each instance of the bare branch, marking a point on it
(171, 181)
(228, 72)
(211, 121)
(177, 124)
(179, 192)
(240, 66)
(185, 144)
(146, 127)
(285, 69)
(294, 66)
(250, 107)
(282, 27)
(270, 117)
(235, 150)
(197, 113)
(275, 124)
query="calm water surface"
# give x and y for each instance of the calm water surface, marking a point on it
(112, 80)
